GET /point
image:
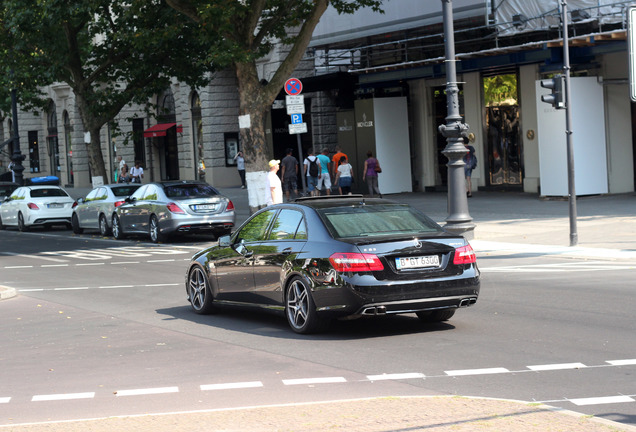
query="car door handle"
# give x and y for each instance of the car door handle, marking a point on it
(286, 251)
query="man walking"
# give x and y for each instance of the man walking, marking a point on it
(325, 164)
(289, 173)
(312, 170)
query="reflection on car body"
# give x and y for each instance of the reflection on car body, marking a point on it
(96, 210)
(322, 258)
(30, 206)
(165, 208)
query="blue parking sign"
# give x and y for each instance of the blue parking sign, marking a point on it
(296, 118)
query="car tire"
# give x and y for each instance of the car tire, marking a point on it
(75, 225)
(153, 230)
(436, 316)
(117, 232)
(21, 225)
(300, 308)
(104, 230)
(1, 225)
(200, 292)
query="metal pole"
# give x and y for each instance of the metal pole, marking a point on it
(459, 220)
(574, 236)
(300, 164)
(17, 156)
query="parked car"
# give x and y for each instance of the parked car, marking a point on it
(30, 206)
(165, 208)
(6, 189)
(317, 259)
(96, 210)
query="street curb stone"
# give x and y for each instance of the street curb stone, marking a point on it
(6, 292)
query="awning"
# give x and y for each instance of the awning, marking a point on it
(160, 130)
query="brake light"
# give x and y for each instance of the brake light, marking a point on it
(175, 208)
(118, 203)
(464, 255)
(355, 262)
(74, 204)
(33, 206)
(230, 206)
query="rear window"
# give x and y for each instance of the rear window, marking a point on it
(43, 193)
(376, 221)
(200, 190)
(124, 191)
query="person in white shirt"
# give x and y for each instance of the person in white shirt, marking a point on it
(136, 173)
(274, 185)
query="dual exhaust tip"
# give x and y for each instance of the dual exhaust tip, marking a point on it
(381, 310)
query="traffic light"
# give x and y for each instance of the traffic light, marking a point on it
(557, 97)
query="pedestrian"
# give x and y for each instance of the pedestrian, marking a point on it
(274, 186)
(122, 170)
(312, 170)
(325, 178)
(470, 163)
(370, 173)
(344, 176)
(289, 174)
(240, 166)
(336, 161)
(10, 167)
(136, 173)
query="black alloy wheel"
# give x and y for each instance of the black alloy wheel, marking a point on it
(117, 232)
(103, 226)
(21, 225)
(300, 309)
(75, 225)
(200, 292)
(153, 230)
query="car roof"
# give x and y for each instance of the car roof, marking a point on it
(179, 182)
(328, 201)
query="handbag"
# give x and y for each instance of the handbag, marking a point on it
(377, 168)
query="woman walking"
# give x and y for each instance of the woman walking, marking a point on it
(370, 173)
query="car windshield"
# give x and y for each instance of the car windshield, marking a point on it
(6, 190)
(376, 221)
(124, 191)
(44, 193)
(184, 191)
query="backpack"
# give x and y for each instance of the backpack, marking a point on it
(313, 167)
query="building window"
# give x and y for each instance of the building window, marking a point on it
(52, 143)
(231, 148)
(138, 141)
(34, 152)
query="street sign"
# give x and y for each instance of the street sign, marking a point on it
(298, 128)
(296, 118)
(295, 100)
(296, 109)
(293, 86)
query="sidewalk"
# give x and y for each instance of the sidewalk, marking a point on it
(505, 223)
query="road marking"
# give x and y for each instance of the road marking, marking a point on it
(37, 257)
(54, 265)
(147, 391)
(396, 376)
(325, 380)
(550, 367)
(67, 396)
(125, 262)
(622, 362)
(485, 371)
(70, 289)
(161, 285)
(561, 267)
(98, 287)
(5, 399)
(89, 264)
(164, 260)
(602, 400)
(115, 286)
(17, 267)
(228, 386)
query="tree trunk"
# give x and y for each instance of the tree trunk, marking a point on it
(94, 148)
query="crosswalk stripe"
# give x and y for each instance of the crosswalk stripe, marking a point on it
(601, 400)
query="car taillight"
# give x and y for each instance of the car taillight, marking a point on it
(355, 262)
(74, 204)
(33, 206)
(175, 208)
(464, 255)
(118, 203)
(230, 206)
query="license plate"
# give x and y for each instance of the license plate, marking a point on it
(55, 205)
(204, 207)
(417, 262)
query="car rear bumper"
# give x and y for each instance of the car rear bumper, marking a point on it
(184, 224)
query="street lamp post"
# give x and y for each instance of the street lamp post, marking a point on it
(458, 220)
(17, 157)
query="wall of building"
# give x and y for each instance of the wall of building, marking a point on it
(528, 74)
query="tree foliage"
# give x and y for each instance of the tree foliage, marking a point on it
(110, 52)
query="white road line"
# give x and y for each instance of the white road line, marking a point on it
(5, 399)
(54, 265)
(17, 267)
(70, 289)
(228, 386)
(125, 262)
(164, 260)
(396, 376)
(622, 362)
(147, 391)
(485, 371)
(67, 396)
(37, 257)
(325, 380)
(601, 400)
(116, 286)
(550, 367)
(160, 285)
(89, 264)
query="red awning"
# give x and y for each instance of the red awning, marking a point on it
(160, 130)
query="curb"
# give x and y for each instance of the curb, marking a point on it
(7, 292)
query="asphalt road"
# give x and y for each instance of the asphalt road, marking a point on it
(102, 328)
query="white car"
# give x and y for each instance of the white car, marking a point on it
(30, 206)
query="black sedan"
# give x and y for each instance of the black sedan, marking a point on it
(322, 258)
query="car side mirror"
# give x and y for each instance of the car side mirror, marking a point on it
(224, 241)
(81, 200)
